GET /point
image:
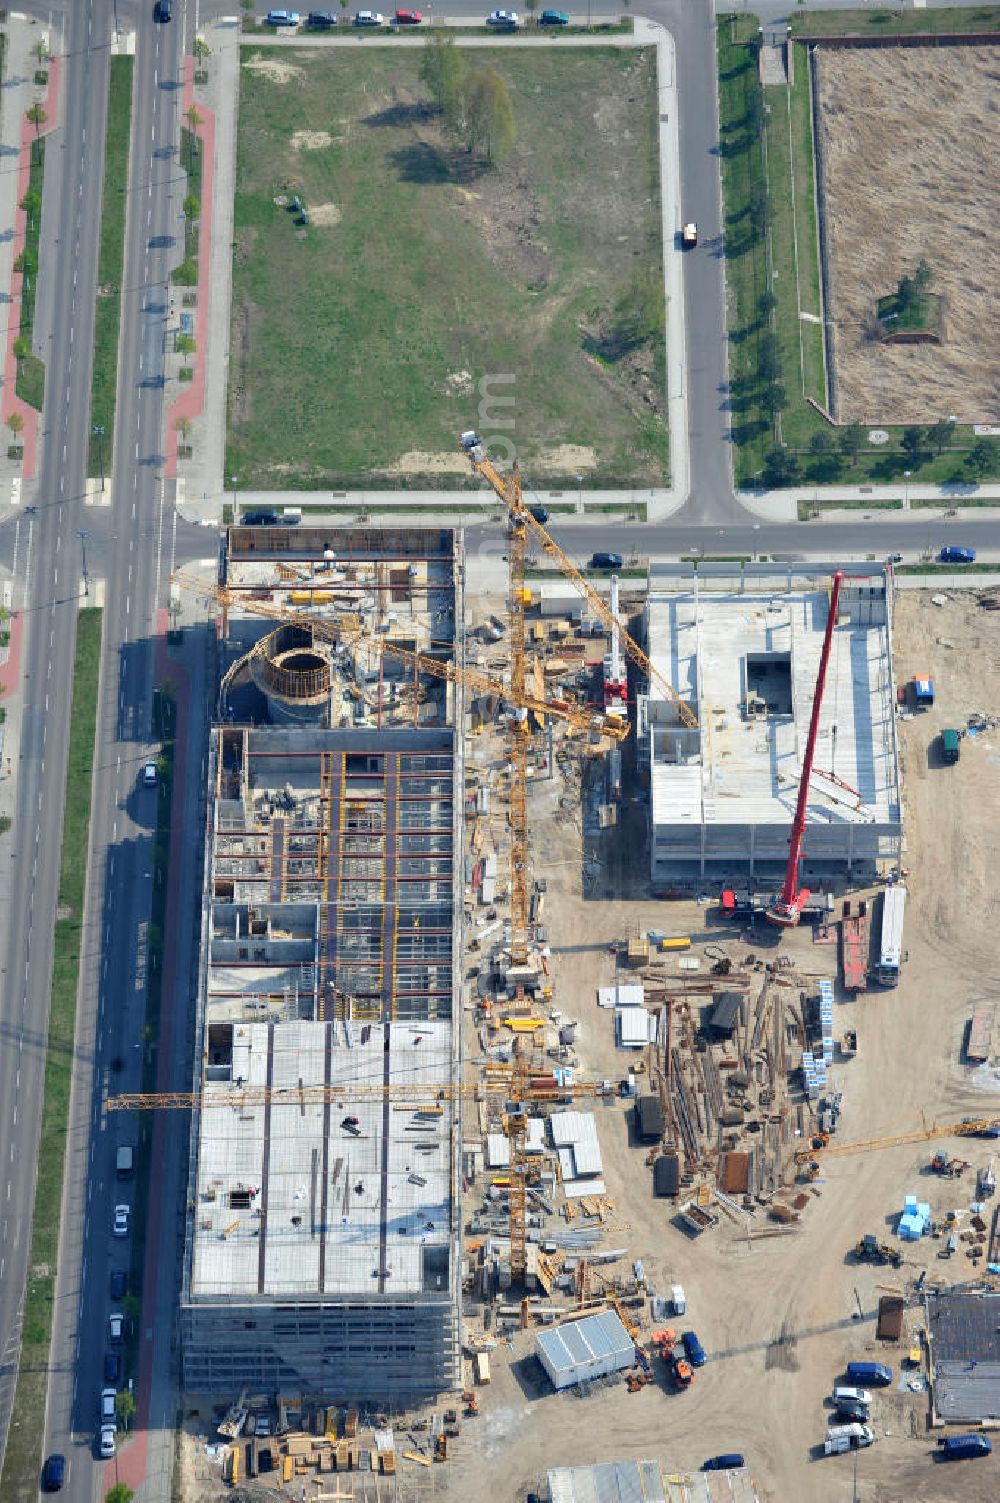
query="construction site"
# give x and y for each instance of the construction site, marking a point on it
(488, 1119)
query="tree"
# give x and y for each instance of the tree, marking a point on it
(192, 206)
(781, 466)
(982, 457)
(36, 116)
(31, 203)
(773, 399)
(442, 70)
(124, 1409)
(182, 427)
(850, 441)
(40, 51)
(120, 1493)
(22, 347)
(912, 443)
(15, 423)
(922, 279)
(755, 110)
(940, 434)
(821, 442)
(184, 344)
(768, 359)
(905, 295)
(489, 116)
(201, 49)
(766, 304)
(758, 207)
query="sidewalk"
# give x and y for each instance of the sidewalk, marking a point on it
(958, 501)
(201, 483)
(16, 136)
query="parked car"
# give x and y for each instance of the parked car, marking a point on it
(116, 1327)
(553, 18)
(149, 775)
(270, 518)
(875, 1373)
(121, 1221)
(843, 1395)
(53, 1472)
(112, 1367)
(606, 561)
(678, 1299)
(964, 1447)
(366, 18)
(503, 20)
(694, 1349)
(108, 1396)
(282, 18)
(955, 555)
(119, 1283)
(852, 1414)
(321, 20)
(107, 1441)
(689, 235)
(408, 17)
(728, 1462)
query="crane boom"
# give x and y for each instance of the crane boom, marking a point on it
(967, 1128)
(788, 908)
(512, 497)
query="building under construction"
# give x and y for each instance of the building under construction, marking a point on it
(322, 1244)
(742, 648)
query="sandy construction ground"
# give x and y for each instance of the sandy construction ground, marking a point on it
(911, 138)
(778, 1317)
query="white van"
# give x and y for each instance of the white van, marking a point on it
(678, 1299)
(855, 1435)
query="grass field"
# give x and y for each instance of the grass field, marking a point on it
(107, 313)
(825, 23)
(780, 157)
(364, 343)
(30, 378)
(23, 1456)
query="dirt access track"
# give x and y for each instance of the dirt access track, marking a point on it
(910, 138)
(779, 1317)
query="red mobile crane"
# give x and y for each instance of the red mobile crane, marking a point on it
(787, 910)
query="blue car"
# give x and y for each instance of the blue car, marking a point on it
(954, 555)
(553, 18)
(54, 1473)
(694, 1349)
(282, 18)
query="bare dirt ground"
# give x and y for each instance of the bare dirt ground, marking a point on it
(911, 137)
(778, 1317)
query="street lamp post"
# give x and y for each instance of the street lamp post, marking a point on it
(99, 432)
(83, 536)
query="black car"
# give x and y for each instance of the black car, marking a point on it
(852, 1414)
(112, 1367)
(321, 20)
(119, 1284)
(162, 10)
(606, 561)
(539, 513)
(53, 1473)
(259, 519)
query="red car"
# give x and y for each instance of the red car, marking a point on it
(408, 18)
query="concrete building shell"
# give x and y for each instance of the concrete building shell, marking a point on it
(742, 649)
(322, 1247)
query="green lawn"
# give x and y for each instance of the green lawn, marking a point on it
(23, 1456)
(187, 273)
(825, 23)
(779, 159)
(429, 293)
(30, 378)
(107, 314)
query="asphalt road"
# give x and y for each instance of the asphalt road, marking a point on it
(132, 555)
(52, 560)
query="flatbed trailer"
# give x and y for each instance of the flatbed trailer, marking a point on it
(854, 945)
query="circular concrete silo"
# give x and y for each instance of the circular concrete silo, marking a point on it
(292, 670)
